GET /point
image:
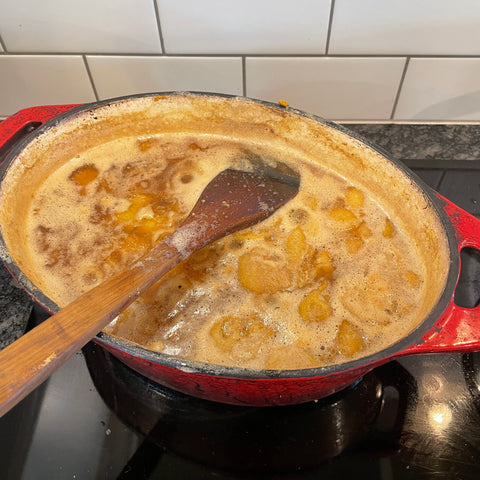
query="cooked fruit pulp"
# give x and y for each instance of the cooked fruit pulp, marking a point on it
(328, 278)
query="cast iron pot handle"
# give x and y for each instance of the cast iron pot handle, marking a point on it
(458, 328)
(22, 123)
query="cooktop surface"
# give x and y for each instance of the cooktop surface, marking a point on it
(416, 418)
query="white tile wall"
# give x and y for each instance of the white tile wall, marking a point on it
(41, 80)
(335, 88)
(383, 60)
(247, 26)
(104, 26)
(440, 89)
(430, 27)
(116, 76)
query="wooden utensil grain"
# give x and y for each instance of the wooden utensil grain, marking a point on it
(233, 200)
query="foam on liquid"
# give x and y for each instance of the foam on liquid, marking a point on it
(107, 206)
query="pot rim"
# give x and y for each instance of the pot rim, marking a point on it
(395, 350)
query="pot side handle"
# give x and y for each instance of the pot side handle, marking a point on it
(25, 121)
(458, 328)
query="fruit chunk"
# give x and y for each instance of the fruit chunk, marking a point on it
(356, 237)
(137, 202)
(389, 229)
(349, 339)
(311, 202)
(145, 144)
(344, 217)
(290, 357)
(363, 230)
(262, 271)
(371, 299)
(83, 175)
(157, 346)
(241, 336)
(354, 243)
(354, 197)
(323, 264)
(412, 278)
(248, 235)
(314, 266)
(315, 307)
(296, 245)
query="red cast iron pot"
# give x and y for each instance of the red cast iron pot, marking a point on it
(448, 327)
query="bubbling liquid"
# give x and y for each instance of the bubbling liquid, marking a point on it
(330, 277)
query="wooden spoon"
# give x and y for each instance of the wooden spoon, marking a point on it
(231, 201)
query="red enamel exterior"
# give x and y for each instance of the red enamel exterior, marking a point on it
(456, 329)
(241, 390)
(39, 115)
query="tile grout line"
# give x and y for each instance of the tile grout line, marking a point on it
(90, 76)
(246, 55)
(159, 26)
(3, 46)
(399, 90)
(329, 29)
(244, 75)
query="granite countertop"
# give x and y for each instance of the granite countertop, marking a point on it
(417, 142)
(424, 142)
(15, 308)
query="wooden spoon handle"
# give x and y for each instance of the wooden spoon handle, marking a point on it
(231, 201)
(30, 360)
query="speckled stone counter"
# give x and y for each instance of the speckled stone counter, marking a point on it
(424, 142)
(15, 308)
(403, 141)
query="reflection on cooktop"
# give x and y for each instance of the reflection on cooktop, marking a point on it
(247, 438)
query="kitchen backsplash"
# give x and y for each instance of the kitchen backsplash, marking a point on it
(346, 60)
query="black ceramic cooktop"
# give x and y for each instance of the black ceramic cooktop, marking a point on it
(417, 418)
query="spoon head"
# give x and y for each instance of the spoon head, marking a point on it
(237, 199)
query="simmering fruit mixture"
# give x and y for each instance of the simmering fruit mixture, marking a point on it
(328, 278)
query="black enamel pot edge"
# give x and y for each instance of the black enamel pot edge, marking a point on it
(393, 351)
